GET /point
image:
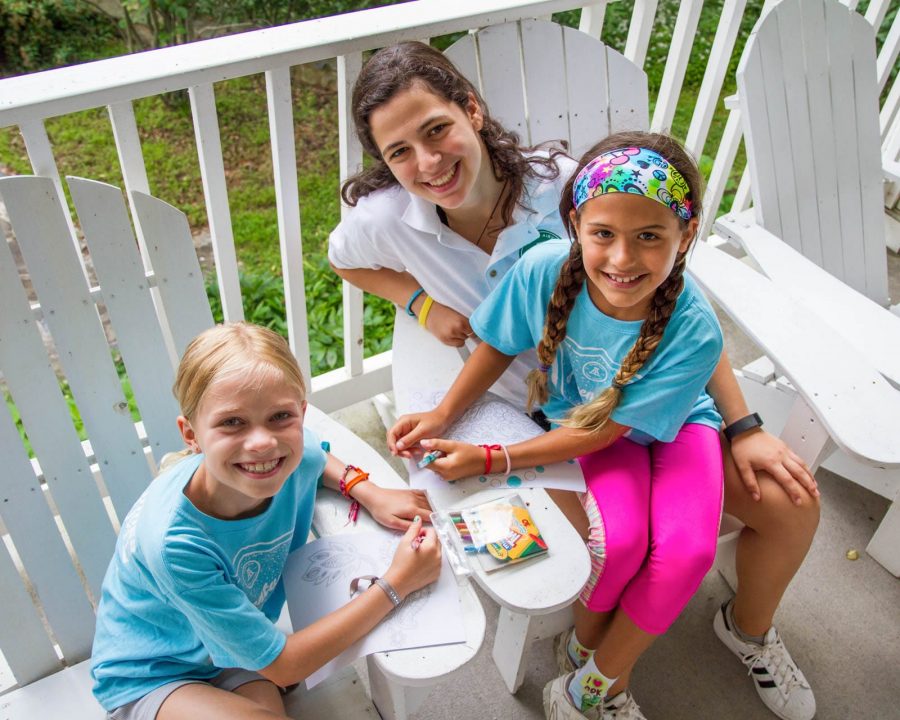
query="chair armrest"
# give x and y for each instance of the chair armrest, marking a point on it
(857, 406)
(873, 330)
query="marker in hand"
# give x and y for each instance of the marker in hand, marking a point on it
(417, 540)
(429, 458)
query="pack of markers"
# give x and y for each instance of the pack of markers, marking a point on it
(491, 536)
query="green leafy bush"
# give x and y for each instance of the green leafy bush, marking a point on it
(263, 300)
(36, 34)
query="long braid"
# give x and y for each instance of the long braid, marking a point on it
(594, 414)
(568, 286)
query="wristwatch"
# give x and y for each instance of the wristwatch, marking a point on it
(743, 425)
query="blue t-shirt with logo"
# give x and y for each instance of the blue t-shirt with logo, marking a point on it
(667, 392)
(186, 594)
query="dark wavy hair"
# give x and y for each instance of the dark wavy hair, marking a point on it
(397, 68)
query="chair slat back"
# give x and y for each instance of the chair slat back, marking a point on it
(120, 274)
(38, 220)
(177, 270)
(549, 82)
(809, 104)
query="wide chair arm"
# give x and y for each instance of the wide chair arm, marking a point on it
(854, 403)
(874, 331)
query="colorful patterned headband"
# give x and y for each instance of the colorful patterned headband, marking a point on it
(634, 170)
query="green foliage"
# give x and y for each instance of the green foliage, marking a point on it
(36, 34)
(263, 300)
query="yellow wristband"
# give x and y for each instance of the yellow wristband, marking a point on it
(426, 308)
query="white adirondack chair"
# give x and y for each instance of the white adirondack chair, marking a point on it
(808, 94)
(61, 509)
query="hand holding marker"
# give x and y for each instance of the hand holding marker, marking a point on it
(429, 458)
(417, 540)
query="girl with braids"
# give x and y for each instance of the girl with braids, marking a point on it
(626, 344)
(450, 200)
(448, 205)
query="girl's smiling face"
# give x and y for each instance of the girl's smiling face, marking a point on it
(251, 434)
(432, 146)
(629, 246)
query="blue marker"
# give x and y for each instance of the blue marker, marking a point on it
(429, 458)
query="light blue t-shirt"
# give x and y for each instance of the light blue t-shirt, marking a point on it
(186, 594)
(667, 392)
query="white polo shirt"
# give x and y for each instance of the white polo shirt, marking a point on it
(394, 229)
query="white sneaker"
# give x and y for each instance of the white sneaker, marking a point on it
(621, 707)
(779, 682)
(558, 705)
(561, 652)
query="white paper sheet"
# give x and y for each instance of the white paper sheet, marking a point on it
(317, 581)
(493, 420)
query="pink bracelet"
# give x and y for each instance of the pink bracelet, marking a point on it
(508, 461)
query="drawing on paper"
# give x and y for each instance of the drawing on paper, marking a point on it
(317, 581)
(495, 421)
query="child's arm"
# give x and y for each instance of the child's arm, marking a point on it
(392, 508)
(447, 325)
(756, 450)
(464, 460)
(480, 371)
(310, 648)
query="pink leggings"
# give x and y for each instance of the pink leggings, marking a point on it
(654, 513)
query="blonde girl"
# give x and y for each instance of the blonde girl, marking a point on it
(626, 345)
(185, 625)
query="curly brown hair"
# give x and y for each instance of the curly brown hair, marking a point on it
(594, 414)
(397, 68)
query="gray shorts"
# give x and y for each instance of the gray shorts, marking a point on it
(145, 708)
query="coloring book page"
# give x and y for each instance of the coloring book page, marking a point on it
(491, 420)
(317, 581)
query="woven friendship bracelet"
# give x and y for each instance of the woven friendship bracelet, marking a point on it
(347, 486)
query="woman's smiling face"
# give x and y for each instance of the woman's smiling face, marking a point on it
(432, 146)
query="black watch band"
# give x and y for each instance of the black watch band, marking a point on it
(743, 425)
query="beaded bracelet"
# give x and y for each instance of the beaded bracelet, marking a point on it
(426, 308)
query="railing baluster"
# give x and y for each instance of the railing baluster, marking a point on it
(131, 159)
(876, 11)
(742, 198)
(716, 66)
(212, 170)
(676, 64)
(888, 54)
(889, 116)
(639, 31)
(134, 173)
(350, 151)
(715, 189)
(592, 17)
(287, 201)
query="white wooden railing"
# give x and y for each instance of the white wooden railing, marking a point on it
(116, 83)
